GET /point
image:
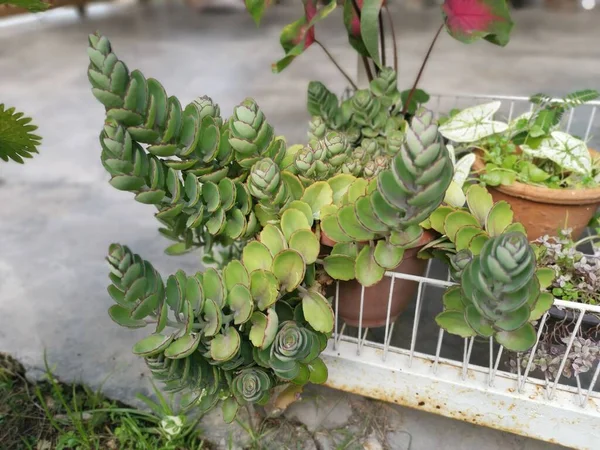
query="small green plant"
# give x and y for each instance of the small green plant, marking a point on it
(17, 140)
(50, 414)
(530, 149)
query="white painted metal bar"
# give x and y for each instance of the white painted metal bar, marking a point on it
(527, 402)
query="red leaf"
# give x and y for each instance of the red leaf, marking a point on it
(468, 20)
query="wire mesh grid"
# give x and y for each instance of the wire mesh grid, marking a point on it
(477, 362)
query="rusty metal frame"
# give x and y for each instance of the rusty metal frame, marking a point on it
(548, 410)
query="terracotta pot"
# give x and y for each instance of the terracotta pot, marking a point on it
(376, 297)
(546, 211)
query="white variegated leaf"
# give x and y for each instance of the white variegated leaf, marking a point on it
(565, 150)
(463, 168)
(452, 153)
(473, 124)
(455, 196)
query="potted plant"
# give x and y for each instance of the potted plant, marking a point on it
(576, 279)
(230, 334)
(550, 178)
(362, 133)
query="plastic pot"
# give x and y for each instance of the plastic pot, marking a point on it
(545, 211)
(376, 297)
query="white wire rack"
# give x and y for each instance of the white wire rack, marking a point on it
(414, 363)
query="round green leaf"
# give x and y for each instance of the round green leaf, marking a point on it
(514, 320)
(239, 300)
(304, 208)
(318, 195)
(339, 267)
(387, 255)
(477, 243)
(225, 346)
(303, 377)
(339, 185)
(345, 248)
(235, 224)
(544, 301)
(217, 222)
(318, 371)
(351, 226)
(195, 293)
(408, 237)
(366, 217)
(152, 345)
(317, 311)
(294, 185)
(519, 340)
(306, 243)
(357, 189)
(256, 256)
(438, 218)
(455, 221)
(293, 220)
(211, 196)
(121, 316)
(368, 272)
(499, 218)
(476, 321)
(227, 192)
(235, 273)
(454, 323)
(289, 268)
(182, 347)
(214, 288)
(545, 276)
(465, 234)
(331, 227)
(264, 328)
(452, 299)
(480, 202)
(264, 288)
(273, 239)
(212, 317)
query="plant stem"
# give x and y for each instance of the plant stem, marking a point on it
(330, 56)
(365, 60)
(394, 43)
(412, 91)
(382, 39)
(367, 68)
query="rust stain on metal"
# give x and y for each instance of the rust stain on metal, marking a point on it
(430, 404)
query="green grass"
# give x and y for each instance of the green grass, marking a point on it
(52, 415)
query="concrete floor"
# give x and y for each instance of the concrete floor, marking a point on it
(58, 214)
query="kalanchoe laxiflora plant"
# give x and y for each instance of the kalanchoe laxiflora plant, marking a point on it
(499, 295)
(228, 334)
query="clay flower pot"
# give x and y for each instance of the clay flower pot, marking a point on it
(543, 210)
(376, 297)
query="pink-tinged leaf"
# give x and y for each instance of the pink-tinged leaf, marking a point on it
(352, 22)
(299, 35)
(470, 20)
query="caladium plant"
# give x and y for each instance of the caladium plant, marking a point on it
(530, 148)
(465, 20)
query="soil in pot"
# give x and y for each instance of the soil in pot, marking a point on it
(376, 297)
(545, 211)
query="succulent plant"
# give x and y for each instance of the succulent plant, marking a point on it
(221, 316)
(188, 162)
(468, 229)
(499, 295)
(370, 119)
(215, 181)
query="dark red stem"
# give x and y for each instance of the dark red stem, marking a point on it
(414, 88)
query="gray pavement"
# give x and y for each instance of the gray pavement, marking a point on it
(58, 214)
